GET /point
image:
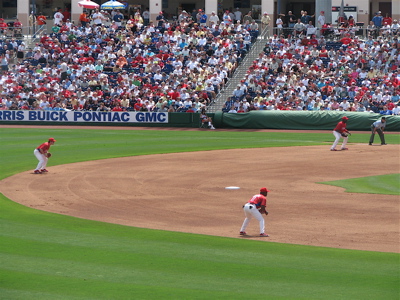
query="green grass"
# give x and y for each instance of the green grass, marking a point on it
(383, 184)
(82, 145)
(50, 256)
(75, 145)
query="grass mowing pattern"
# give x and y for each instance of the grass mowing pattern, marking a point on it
(49, 256)
(383, 184)
(67, 257)
(88, 144)
(76, 145)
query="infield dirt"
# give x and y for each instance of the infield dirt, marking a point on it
(186, 192)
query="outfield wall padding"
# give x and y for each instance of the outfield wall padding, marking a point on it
(301, 120)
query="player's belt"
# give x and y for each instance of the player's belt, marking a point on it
(250, 204)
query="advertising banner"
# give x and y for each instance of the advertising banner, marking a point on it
(83, 116)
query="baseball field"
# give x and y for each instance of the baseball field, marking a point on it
(130, 213)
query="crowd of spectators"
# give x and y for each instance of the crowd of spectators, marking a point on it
(107, 64)
(312, 74)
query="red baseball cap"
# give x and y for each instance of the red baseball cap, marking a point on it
(345, 118)
(52, 140)
(264, 190)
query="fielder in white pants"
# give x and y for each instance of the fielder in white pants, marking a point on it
(337, 132)
(42, 164)
(250, 210)
(255, 207)
(338, 135)
(40, 153)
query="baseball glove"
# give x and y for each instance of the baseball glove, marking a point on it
(48, 154)
(346, 134)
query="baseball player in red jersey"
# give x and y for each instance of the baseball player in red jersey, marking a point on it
(337, 132)
(41, 154)
(255, 208)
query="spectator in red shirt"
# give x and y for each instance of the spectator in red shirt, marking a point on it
(351, 21)
(313, 40)
(388, 20)
(17, 24)
(192, 109)
(390, 105)
(66, 14)
(346, 39)
(138, 105)
(3, 26)
(241, 108)
(117, 107)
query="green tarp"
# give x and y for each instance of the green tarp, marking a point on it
(305, 120)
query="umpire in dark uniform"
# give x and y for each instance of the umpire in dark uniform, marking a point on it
(378, 127)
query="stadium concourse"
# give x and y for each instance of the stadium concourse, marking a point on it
(175, 65)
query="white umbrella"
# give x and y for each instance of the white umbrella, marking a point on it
(113, 5)
(88, 4)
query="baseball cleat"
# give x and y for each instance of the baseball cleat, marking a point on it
(370, 144)
(383, 144)
(44, 171)
(37, 172)
(333, 150)
(344, 149)
(264, 234)
(243, 233)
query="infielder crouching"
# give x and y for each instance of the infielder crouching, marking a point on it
(341, 131)
(42, 154)
(255, 208)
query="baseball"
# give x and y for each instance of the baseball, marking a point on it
(232, 188)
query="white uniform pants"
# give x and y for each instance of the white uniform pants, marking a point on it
(42, 160)
(250, 211)
(337, 138)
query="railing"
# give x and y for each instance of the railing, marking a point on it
(39, 30)
(238, 74)
(336, 33)
(17, 32)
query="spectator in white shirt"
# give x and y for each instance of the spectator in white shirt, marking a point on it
(213, 19)
(396, 109)
(345, 104)
(58, 17)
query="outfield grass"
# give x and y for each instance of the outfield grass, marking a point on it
(383, 184)
(50, 256)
